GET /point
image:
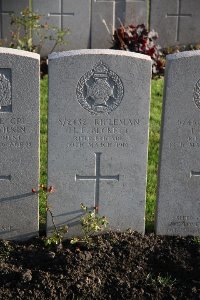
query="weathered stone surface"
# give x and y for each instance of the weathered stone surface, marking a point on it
(74, 14)
(97, 137)
(176, 21)
(178, 207)
(19, 143)
(108, 15)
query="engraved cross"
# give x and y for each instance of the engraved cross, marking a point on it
(194, 174)
(5, 177)
(61, 14)
(97, 178)
(3, 13)
(129, 1)
(178, 15)
(125, 1)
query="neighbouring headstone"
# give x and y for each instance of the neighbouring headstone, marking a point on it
(178, 207)
(176, 21)
(97, 136)
(73, 14)
(19, 143)
(7, 8)
(108, 15)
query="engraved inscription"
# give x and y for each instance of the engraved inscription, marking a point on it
(5, 93)
(188, 134)
(188, 224)
(97, 178)
(14, 133)
(100, 132)
(6, 228)
(5, 177)
(196, 94)
(100, 90)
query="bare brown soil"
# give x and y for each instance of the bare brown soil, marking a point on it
(117, 266)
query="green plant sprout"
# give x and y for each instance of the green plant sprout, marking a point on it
(164, 281)
(58, 232)
(91, 223)
(196, 240)
(5, 249)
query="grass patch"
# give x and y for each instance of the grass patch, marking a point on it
(154, 138)
(43, 146)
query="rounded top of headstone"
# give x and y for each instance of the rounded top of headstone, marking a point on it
(184, 54)
(19, 52)
(57, 55)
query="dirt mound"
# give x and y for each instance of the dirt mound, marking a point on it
(117, 266)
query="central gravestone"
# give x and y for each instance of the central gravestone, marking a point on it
(97, 136)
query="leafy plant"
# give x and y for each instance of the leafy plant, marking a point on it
(5, 249)
(139, 39)
(28, 23)
(91, 223)
(57, 236)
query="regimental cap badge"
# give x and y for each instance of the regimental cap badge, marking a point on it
(5, 91)
(100, 90)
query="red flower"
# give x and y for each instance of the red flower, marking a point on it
(51, 189)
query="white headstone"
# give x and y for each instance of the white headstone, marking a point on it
(97, 137)
(73, 14)
(19, 143)
(176, 21)
(178, 207)
(108, 15)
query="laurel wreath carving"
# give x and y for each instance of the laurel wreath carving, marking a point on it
(5, 91)
(196, 94)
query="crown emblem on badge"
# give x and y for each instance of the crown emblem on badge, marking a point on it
(101, 70)
(100, 90)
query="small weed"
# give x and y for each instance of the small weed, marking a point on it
(196, 240)
(57, 237)
(5, 249)
(91, 223)
(164, 281)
